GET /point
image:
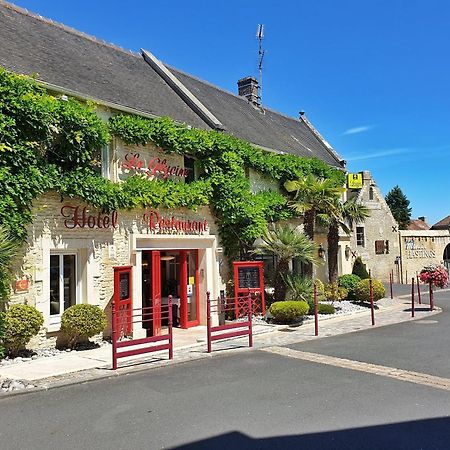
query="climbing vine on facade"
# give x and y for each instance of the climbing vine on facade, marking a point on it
(53, 143)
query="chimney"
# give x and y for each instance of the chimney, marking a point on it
(422, 218)
(248, 88)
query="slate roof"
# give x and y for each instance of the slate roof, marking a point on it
(443, 224)
(67, 58)
(82, 64)
(260, 126)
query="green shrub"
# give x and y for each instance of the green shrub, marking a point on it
(322, 308)
(298, 287)
(359, 268)
(335, 293)
(320, 287)
(363, 291)
(21, 323)
(80, 322)
(349, 282)
(288, 311)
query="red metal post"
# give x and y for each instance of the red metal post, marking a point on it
(170, 328)
(208, 320)
(418, 289)
(431, 297)
(316, 312)
(372, 308)
(412, 298)
(114, 337)
(250, 317)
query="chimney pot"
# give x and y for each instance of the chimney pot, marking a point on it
(248, 87)
(422, 218)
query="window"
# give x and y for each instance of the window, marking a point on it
(360, 236)
(371, 193)
(189, 165)
(63, 283)
(381, 247)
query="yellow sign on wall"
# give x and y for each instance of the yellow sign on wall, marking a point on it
(354, 180)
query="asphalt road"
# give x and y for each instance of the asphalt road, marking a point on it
(253, 400)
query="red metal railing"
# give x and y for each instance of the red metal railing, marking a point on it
(224, 306)
(120, 330)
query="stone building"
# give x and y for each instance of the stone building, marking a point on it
(72, 247)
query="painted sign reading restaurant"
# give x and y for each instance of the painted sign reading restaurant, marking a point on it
(77, 216)
(156, 167)
(171, 224)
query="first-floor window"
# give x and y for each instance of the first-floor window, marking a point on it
(63, 282)
(360, 236)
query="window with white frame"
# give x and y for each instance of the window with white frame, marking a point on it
(63, 283)
(360, 236)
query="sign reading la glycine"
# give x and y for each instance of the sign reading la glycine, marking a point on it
(171, 224)
(156, 167)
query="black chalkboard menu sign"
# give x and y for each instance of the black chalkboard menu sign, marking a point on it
(248, 277)
(124, 286)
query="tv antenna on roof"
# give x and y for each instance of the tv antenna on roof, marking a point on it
(261, 52)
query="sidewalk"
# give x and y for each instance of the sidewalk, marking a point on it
(79, 366)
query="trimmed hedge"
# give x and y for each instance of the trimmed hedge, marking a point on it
(359, 268)
(349, 282)
(21, 323)
(322, 308)
(288, 311)
(80, 322)
(363, 290)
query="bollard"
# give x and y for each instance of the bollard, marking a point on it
(250, 318)
(169, 308)
(316, 312)
(412, 298)
(208, 320)
(371, 301)
(391, 280)
(431, 297)
(114, 336)
(418, 289)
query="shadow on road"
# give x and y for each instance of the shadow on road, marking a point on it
(428, 434)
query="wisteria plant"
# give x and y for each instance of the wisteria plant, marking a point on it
(437, 275)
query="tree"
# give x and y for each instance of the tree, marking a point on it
(399, 206)
(313, 196)
(285, 242)
(345, 214)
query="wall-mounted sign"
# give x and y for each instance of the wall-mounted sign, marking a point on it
(75, 216)
(156, 167)
(171, 224)
(21, 286)
(354, 181)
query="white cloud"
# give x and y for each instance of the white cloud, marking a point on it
(357, 130)
(379, 154)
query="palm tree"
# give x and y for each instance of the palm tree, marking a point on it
(285, 242)
(313, 196)
(345, 214)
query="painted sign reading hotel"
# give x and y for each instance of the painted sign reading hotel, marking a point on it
(165, 224)
(155, 167)
(76, 216)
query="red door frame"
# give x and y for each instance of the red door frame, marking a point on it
(156, 291)
(124, 306)
(184, 321)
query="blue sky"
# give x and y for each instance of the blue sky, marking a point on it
(372, 76)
